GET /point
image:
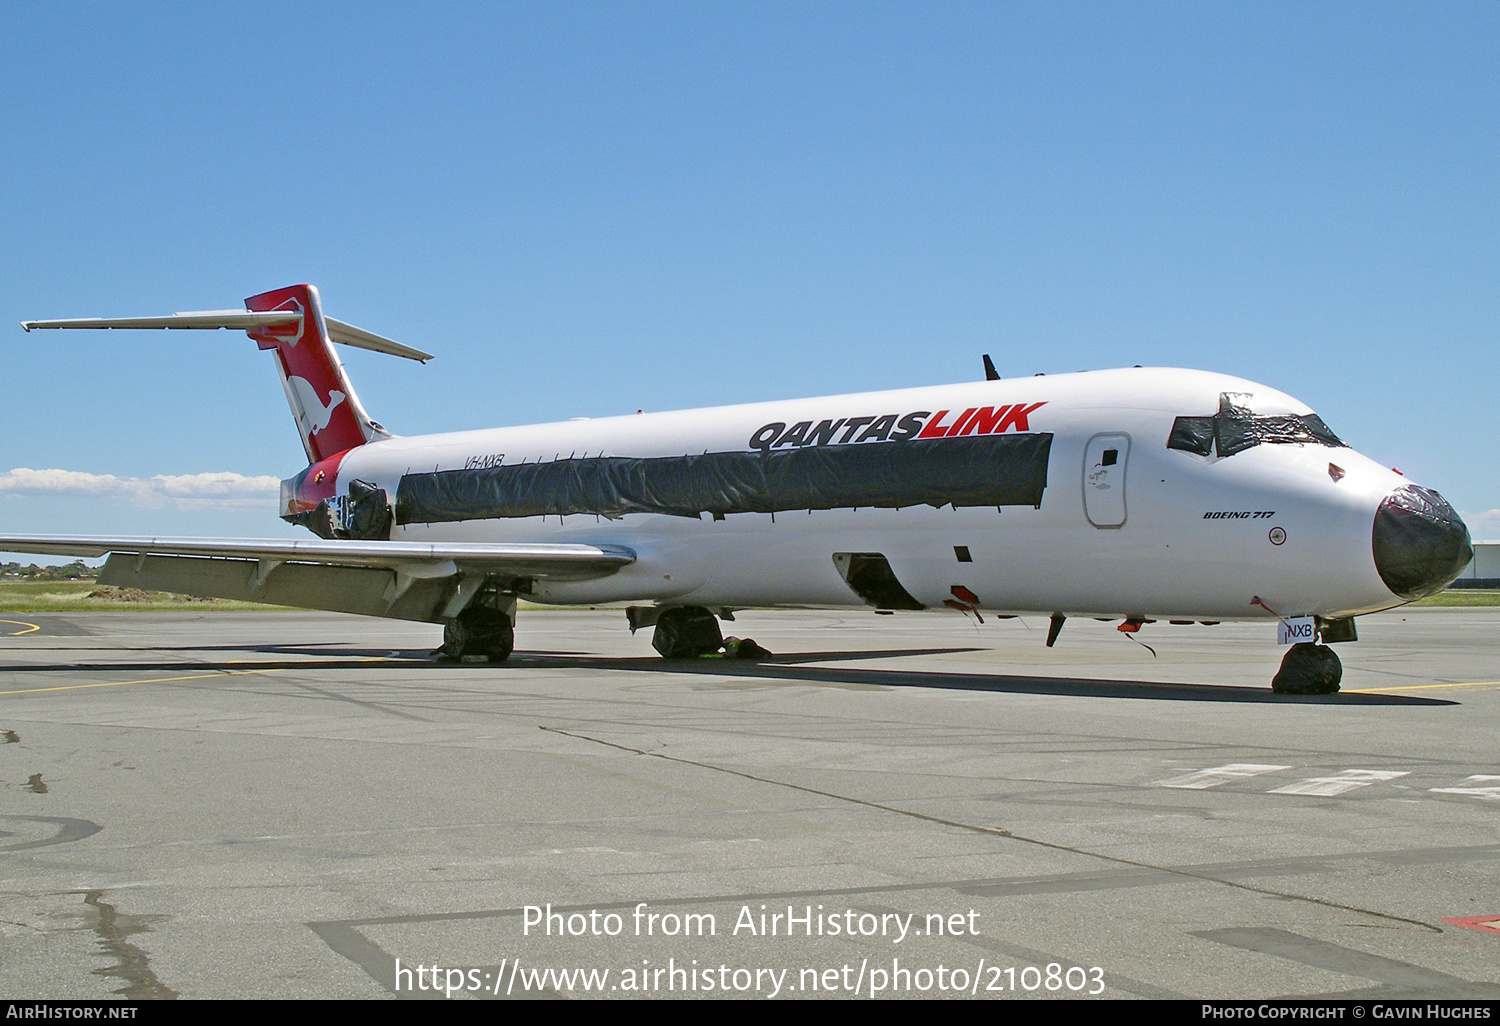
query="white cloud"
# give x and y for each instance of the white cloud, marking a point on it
(1483, 525)
(214, 490)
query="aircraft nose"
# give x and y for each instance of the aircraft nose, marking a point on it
(1420, 543)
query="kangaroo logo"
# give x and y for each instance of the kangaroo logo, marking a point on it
(313, 412)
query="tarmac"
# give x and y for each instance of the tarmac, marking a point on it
(290, 805)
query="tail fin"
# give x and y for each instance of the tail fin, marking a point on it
(329, 415)
(290, 321)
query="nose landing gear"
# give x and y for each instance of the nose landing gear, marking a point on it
(1308, 669)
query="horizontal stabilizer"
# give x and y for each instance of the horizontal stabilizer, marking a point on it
(359, 338)
(243, 320)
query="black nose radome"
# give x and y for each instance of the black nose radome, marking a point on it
(1420, 543)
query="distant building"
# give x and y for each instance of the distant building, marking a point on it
(1484, 572)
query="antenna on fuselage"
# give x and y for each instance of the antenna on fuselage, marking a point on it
(1054, 628)
(990, 373)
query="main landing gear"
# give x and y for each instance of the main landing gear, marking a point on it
(1308, 669)
(687, 632)
(479, 632)
(485, 628)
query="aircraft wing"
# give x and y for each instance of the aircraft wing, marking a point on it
(408, 580)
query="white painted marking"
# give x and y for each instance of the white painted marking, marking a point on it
(1296, 630)
(1204, 779)
(1492, 792)
(1348, 780)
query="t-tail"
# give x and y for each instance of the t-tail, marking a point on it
(290, 321)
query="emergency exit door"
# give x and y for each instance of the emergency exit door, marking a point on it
(1104, 479)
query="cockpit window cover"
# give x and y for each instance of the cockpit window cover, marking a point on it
(1234, 429)
(993, 470)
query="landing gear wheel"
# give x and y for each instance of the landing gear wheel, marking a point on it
(453, 642)
(502, 642)
(1308, 669)
(478, 631)
(686, 632)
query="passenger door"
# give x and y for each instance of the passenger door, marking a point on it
(1104, 479)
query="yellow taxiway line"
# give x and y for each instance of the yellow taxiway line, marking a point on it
(1426, 687)
(22, 623)
(124, 683)
(161, 680)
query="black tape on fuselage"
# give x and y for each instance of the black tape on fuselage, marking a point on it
(991, 470)
(1234, 429)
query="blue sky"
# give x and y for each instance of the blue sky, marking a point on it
(587, 209)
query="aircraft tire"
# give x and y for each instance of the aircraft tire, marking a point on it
(1308, 669)
(478, 631)
(686, 632)
(500, 645)
(452, 648)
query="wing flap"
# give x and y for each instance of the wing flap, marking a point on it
(368, 591)
(406, 580)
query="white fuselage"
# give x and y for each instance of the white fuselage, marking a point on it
(1158, 532)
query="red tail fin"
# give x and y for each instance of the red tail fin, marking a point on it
(328, 413)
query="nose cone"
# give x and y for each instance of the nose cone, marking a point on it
(1420, 543)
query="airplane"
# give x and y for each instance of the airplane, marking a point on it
(1138, 495)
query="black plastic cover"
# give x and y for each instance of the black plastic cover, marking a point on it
(1192, 434)
(318, 520)
(367, 513)
(1234, 429)
(991, 470)
(1420, 543)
